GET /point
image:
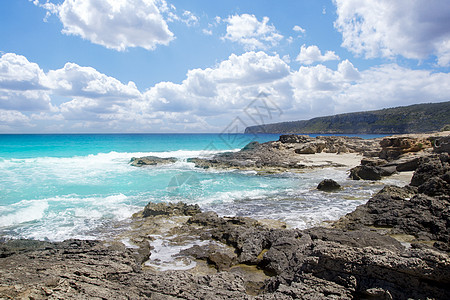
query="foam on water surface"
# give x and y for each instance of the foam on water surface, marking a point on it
(165, 253)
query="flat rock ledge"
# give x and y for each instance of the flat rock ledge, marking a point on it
(291, 153)
(151, 161)
(394, 247)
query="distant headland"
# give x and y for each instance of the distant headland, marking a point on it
(418, 118)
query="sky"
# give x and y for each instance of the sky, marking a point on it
(172, 66)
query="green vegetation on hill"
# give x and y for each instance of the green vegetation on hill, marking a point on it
(419, 118)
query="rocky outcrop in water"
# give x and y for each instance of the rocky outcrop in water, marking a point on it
(171, 209)
(328, 185)
(290, 152)
(151, 161)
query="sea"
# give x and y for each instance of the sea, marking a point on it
(63, 186)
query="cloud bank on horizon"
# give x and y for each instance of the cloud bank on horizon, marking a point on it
(221, 58)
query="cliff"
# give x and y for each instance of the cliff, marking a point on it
(419, 118)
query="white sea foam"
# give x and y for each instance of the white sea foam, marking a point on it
(64, 217)
(23, 211)
(164, 254)
(231, 196)
(107, 158)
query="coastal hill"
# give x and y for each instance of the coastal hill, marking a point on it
(419, 118)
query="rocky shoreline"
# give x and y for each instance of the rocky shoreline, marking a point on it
(293, 153)
(396, 246)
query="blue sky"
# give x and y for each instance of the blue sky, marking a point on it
(200, 65)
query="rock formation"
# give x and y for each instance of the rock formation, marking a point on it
(287, 153)
(328, 185)
(151, 161)
(399, 154)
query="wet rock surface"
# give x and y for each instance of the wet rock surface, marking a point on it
(171, 209)
(328, 185)
(151, 161)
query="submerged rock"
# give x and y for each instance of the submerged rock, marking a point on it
(328, 185)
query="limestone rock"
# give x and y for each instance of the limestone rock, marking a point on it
(441, 144)
(151, 161)
(168, 209)
(372, 161)
(393, 147)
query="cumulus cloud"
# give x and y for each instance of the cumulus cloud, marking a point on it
(208, 99)
(228, 86)
(251, 33)
(393, 85)
(17, 73)
(116, 24)
(319, 90)
(413, 29)
(11, 119)
(74, 80)
(23, 85)
(312, 54)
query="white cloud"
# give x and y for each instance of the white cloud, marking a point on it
(348, 71)
(17, 73)
(299, 29)
(319, 90)
(213, 91)
(76, 81)
(189, 18)
(385, 28)
(23, 85)
(312, 54)
(83, 99)
(207, 31)
(251, 33)
(116, 24)
(393, 85)
(11, 118)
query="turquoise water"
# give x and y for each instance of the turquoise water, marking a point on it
(55, 187)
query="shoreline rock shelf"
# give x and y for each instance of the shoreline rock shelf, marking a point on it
(293, 153)
(151, 161)
(396, 246)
